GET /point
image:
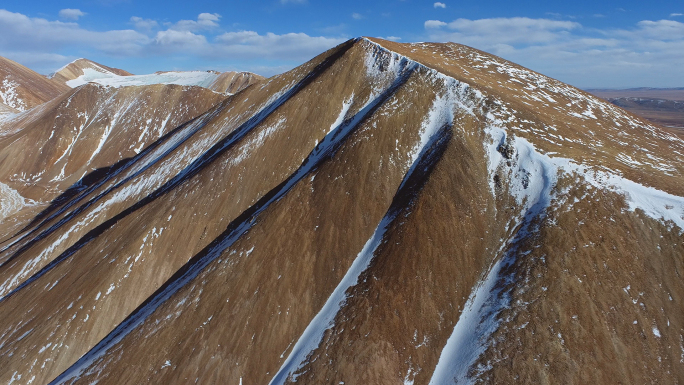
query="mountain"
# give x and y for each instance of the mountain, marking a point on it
(384, 213)
(668, 113)
(84, 68)
(23, 89)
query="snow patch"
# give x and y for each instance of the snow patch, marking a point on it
(10, 96)
(186, 78)
(468, 340)
(343, 113)
(11, 201)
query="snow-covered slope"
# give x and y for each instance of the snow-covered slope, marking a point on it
(84, 68)
(227, 82)
(189, 78)
(385, 213)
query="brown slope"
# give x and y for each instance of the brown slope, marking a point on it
(75, 69)
(239, 318)
(46, 150)
(23, 89)
(602, 303)
(234, 82)
(663, 106)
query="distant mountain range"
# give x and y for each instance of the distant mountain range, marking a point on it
(663, 106)
(636, 89)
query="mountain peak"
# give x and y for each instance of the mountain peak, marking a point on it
(383, 213)
(81, 67)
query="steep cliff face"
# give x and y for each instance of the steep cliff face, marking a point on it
(385, 213)
(23, 89)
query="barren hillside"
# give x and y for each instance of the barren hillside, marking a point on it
(23, 89)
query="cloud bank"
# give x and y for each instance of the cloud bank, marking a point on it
(37, 42)
(646, 55)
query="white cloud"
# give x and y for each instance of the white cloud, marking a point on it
(205, 21)
(357, 16)
(511, 30)
(434, 24)
(143, 24)
(290, 46)
(45, 45)
(179, 40)
(23, 34)
(45, 62)
(676, 14)
(71, 14)
(658, 30)
(439, 5)
(392, 38)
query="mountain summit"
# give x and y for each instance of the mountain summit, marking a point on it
(385, 213)
(84, 67)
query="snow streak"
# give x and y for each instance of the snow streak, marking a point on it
(531, 181)
(531, 178)
(430, 152)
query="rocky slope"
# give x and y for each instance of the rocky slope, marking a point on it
(23, 89)
(385, 213)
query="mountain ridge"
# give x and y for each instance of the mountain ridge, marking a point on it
(283, 204)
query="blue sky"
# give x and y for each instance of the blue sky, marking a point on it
(612, 44)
